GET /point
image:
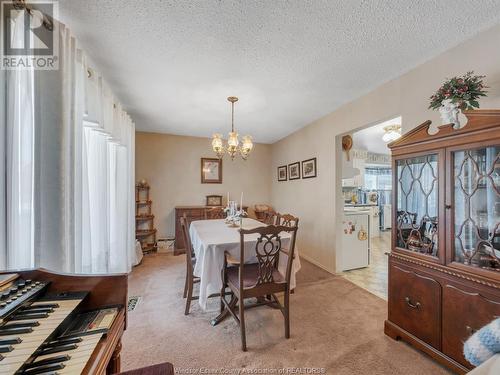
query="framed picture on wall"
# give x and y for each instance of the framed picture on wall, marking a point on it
(211, 171)
(214, 200)
(294, 171)
(282, 173)
(309, 168)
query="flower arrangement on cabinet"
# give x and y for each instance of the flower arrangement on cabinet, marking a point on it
(458, 93)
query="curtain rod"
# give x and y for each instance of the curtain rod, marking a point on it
(46, 21)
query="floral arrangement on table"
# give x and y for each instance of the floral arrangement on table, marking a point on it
(458, 93)
(233, 215)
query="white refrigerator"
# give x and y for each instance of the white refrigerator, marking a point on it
(355, 239)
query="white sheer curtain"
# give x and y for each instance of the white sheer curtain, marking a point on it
(69, 165)
(19, 161)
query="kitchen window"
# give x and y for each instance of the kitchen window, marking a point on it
(378, 178)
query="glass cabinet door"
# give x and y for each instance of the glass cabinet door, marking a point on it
(417, 204)
(476, 216)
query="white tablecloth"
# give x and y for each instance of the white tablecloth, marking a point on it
(210, 238)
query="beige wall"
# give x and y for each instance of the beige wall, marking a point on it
(315, 200)
(171, 165)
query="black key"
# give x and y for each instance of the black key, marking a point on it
(15, 331)
(45, 305)
(21, 324)
(11, 341)
(44, 369)
(49, 361)
(29, 316)
(57, 349)
(6, 349)
(73, 340)
(35, 310)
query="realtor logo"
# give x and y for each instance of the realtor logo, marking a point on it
(30, 37)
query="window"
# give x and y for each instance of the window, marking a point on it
(378, 178)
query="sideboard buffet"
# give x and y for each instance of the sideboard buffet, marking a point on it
(444, 267)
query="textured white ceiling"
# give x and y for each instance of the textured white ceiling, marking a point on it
(173, 63)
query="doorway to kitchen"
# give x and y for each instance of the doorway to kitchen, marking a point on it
(367, 199)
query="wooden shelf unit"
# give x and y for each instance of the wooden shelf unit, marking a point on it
(145, 231)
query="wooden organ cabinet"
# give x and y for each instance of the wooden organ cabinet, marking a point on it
(444, 268)
(53, 323)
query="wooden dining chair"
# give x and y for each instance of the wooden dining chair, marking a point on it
(190, 262)
(269, 217)
(215, 213)
(287, 220)
(259, 280)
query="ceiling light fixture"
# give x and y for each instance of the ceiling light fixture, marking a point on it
(233, 144)
(392, 132)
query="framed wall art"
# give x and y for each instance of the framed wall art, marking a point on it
(211, 171)
(282, 173)
(214, 200)
(294, 171)
(309, 168)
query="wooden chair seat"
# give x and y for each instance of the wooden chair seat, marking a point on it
(250, 277)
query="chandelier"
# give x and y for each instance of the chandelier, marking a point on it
(392, 132)
(233, 146)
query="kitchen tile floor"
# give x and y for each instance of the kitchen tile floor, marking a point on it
(374, 277)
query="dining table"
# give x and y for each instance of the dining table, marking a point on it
(211, 238)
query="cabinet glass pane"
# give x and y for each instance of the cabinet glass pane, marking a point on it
(477, 207)
(417, 206)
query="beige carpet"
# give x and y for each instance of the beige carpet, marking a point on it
(335, 326)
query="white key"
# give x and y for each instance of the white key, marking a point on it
(78, 357)
(31, 341)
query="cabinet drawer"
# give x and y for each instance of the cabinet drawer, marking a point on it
(464, 312)
(415, 304)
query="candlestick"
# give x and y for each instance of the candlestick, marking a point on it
(227, 202)
(241, 202)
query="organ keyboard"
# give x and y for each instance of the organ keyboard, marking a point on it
(61, 324)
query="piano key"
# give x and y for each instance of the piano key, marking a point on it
(21, 324)
(36, 309)
(6, 348)
(10, 341)
(44, 369)
(15, 331)
(43, 305)
(48, 361)
(72, 340)
(29, 316)
(31, 341)
(58, 349)
(80, 356)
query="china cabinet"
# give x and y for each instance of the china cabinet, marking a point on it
(444, 267)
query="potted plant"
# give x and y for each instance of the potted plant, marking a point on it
(458, 93)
